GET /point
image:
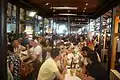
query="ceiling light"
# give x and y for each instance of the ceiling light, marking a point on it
(83, 19)
(66, 14)
(85, 8)
(47, 4)
(32, 14)
(70, 8)
(84, 11)
(53, 10)
(64, 19)
(39, 17)
(86, 4)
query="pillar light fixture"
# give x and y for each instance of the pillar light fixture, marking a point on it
(64, 8)
(68, 10)
(53, 10)
(84, 11)
(86, 4)
(66, 14)
(47, 4)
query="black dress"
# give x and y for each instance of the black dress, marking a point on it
(16, 63)
(97, 71)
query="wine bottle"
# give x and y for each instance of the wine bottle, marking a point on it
(72, 63)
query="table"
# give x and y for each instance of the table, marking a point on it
(69, 77)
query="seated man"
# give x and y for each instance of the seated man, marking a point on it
(49, 69)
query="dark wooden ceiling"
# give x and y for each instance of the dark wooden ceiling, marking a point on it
(91, 8)
(80, 4)
(94, 9)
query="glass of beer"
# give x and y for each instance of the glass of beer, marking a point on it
(72, 72)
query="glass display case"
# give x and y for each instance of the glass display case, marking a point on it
(22, 21)
(11, 18)
(47, 26)
(28, 25)
(38, 25)
(9, 11)
(22, 13)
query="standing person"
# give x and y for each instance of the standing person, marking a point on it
(98, 52)
(35, 39)
(11, 36)
(44, 54)
(14, 63)
(43, 42)
(36, 53)
(25, 40)
(49, 69)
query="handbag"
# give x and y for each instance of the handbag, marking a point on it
(26, 69)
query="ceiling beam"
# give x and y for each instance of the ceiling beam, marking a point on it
(106, 7)
(27, 6)
(41, 12)
(78, 16)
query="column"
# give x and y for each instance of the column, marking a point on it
(69, 27)
(3, 40)
(50, 27)
(17, 18)
(95, 26)
(43, 26)
(89, 23)
(100, 41)
(114, 31)
(111, 32)
(53, 25)
(33, 21)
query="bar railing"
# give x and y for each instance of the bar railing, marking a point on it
(114, 75)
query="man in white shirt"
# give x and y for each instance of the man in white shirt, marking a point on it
(49, 69)
(36, 53)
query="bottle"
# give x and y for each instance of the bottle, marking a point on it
(71, 64)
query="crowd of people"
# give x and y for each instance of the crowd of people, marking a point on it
(49, 58)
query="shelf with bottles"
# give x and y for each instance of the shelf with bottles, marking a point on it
(38, 25)
(29, 30)
(11, 13)
(22, 14)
